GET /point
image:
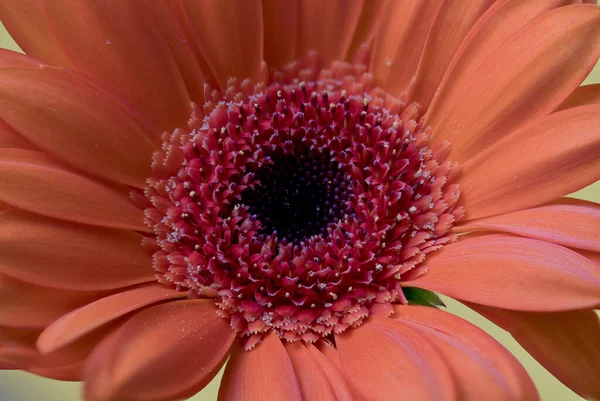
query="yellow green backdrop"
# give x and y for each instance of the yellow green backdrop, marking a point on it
(18, 386)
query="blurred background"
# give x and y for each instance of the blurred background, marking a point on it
(19, 386)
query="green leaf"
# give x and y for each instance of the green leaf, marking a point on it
(419, 296)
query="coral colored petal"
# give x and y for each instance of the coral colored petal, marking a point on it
(9, 58)
(74, 353)
(588, 94)
(331, 354)
(28, 25)
(59, 254)
(86, 319)
(333, 357)
(513, 273)
(280, 21)
(71, 372)
(328, 27)
(383, 357)
(8, 366)
(335, 378)
(400, 41)
(510, 87)
(482, 367)
(313, 383)
(368, 26)
(185, 54)
(17, 346)
(229, 34)
(502, 20)
(168, 351)
(177, 9)
(449, 28)
(265, 373)
(33, 307)
(63, 113)
(565, 343)
(120, 44)
(38, 183)
(594, 257)
(20, 358)
(537, 163)
(9, 138)
(569, 222)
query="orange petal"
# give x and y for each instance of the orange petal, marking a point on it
(265, 373)
(336, 380)
(449, 28)
(280, 21)
(369, 25)
(9, 138)
(569, 222)
(169, 351)
(17, 346)
(86, 319)
(510, 88)
(177, 10)
(383, 358)
(502, 20)
(121, 45)
(332, 356)
(588, 94)
(70, 372)
(328, 27)
(594, 257)
(537, 163)
(314, 385)
(229, 34)
(514, 273)
(9, 58)
(185, 54)
(565, 343)
(6, 365)
(400, 41)
(28, 25)
(33, 307)
(65, 114)
(73, 256)
(74, 354)
(482, 367)
(36, 182)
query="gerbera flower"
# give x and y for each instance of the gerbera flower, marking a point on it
(284, 185)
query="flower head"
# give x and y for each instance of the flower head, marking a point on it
(284, 185)
(301, 207)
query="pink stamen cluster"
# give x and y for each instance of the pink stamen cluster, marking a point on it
(302, 205)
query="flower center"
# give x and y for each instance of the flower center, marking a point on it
(300, 205)
(301, 195)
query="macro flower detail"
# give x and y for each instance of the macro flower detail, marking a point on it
(301, 207)
(281, 189)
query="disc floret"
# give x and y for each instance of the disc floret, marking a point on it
(300, 205)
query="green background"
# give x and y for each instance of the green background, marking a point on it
(19, 386)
